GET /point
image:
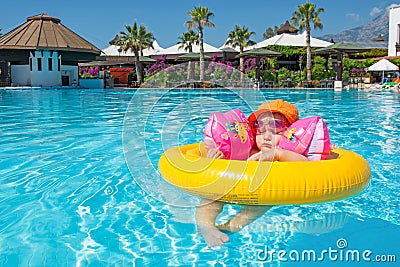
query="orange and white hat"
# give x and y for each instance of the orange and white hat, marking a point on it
(286, 109)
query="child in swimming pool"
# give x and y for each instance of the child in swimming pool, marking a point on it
(267, 124)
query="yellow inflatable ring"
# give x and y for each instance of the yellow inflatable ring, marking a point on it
(264, 183)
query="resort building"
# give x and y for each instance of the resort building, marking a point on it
(43, 52)
(394, 31)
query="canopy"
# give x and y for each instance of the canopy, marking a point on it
(341, 48)
(193, 55)
(259, 52)
(117, 61)
(383, 65)
(146, 59)
(229, 49)
(287, 39)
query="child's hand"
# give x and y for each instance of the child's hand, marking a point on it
(268, 154)
(215, 153)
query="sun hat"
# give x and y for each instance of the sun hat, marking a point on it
(286, 109)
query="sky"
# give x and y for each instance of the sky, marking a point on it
(99, 21)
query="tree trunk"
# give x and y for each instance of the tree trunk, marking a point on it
(190, 68)
(339, 67)
(138, 66)
(189, 71)
(309, 60)
(241, 65)
(201, 55)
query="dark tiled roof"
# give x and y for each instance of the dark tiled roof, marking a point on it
(45, 32)
(342, 47)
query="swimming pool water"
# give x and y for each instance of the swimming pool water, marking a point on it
(80, 186)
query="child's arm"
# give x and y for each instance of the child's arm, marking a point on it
(277, 154)
(287, 155)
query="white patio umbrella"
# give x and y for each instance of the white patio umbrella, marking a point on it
(383, 65)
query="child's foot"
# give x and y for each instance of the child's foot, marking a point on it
(213, 236)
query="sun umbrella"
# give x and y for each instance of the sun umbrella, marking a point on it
(383, 65)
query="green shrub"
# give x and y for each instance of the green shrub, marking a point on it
(318, 69)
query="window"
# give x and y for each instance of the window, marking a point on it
(59, 64)
(39, 64)
(30, 64)
(50, 64)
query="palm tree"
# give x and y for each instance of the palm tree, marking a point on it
(269, 32)
(306, 14)
(187, 40)
(240, 37)
(136, 39)
(200, 18)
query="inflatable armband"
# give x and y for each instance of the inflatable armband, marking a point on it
(308, 137)
(230, 133)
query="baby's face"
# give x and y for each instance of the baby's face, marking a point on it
(271, 129)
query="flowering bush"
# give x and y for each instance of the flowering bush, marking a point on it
(219, 69)
(358, 72)
(222, 71)
(211, 66)
(159, 65)
(249, 64)
(88, 72)
(229, 67)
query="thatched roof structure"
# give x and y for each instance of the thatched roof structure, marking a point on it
(115, 40)
(43, 32)
(378, 39)
(287, 28)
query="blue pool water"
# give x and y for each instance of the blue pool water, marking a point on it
(80, 185)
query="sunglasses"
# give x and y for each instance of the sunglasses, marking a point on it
(271, 124)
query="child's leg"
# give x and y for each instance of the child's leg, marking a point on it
(245, 216)
(205, 218)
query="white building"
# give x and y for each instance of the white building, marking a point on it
(43, 52)
(394, 31)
